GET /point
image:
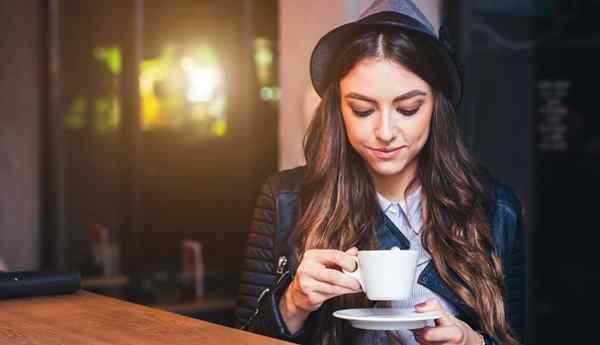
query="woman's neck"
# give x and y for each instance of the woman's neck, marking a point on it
(398, 186)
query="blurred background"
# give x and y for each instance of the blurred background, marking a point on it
(136, 134)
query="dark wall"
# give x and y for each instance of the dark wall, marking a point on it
(19, 133)
(530, 115)
(497, 113)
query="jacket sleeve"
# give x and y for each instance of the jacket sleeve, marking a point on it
(511, 237)
(260, 289)
(514, 278)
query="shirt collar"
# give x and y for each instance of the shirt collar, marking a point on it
(410, 206)
(384, 203)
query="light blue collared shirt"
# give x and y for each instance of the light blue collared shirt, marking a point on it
(407, 217)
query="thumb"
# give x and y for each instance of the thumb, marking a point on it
(352, 251)
(433, 304)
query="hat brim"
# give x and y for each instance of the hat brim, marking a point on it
(329, 45)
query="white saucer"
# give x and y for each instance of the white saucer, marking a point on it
(387, 318)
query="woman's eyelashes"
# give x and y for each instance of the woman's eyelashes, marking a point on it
(408, 112)
(405, 112)
(362, 113)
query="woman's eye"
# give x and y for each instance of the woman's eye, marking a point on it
(362, 113)
(408, 112)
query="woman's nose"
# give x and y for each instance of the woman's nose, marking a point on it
(384, 129)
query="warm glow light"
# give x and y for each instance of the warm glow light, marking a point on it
(266, 93)
(184, 86)
(111, 56)
(203, 80)
(270, 93)
(104, 107)
(263, 58)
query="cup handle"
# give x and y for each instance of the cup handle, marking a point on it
(356, 274)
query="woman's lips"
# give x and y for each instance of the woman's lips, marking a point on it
(386, 153)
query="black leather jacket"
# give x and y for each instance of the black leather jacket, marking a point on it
(268, 266)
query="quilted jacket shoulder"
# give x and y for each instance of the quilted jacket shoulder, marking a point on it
(258, 268)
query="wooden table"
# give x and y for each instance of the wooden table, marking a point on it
(205, 304)
(85, 318)
(202, 304)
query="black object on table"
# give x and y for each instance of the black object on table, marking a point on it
(38, 283)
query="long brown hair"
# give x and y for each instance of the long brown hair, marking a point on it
(340, 207)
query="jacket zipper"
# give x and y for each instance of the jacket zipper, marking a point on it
(281, 263)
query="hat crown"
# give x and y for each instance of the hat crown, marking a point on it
(392, 15)
(405, 7)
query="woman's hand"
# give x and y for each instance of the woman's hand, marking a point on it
(317, 279)
(448, 330)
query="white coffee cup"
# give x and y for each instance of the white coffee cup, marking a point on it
(386, 275)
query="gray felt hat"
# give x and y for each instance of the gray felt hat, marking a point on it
(402, 14)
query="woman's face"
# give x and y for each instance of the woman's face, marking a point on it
(387, 114)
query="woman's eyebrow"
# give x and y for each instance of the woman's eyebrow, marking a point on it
(407, 95)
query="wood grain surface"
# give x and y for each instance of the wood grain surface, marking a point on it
(87, 318)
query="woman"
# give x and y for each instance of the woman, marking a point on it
(385, 167)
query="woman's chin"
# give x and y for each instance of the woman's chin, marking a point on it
(387, 168)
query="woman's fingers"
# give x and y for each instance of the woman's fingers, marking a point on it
(309, 285)
(441, 334)
(331, 276)
(312, 293)
(315, 282)
(433, 304)
(448, 330)
(328, 257)
(420, 335)
(352, 251)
